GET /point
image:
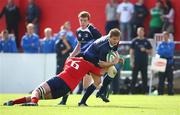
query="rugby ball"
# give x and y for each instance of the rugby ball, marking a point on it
(110, 56)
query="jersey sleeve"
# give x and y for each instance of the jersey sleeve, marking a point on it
(78, 38)
(132, 45)
(149, 46)
(96, 34)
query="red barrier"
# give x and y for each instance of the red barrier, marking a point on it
(55, 12)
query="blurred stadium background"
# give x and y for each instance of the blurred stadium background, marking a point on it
(53, 14)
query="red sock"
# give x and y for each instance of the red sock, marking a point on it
(20, 100)
(34, 100)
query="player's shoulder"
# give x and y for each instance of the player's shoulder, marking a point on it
(135, 40)
(81, 30)
(103, 39)
(35, 36)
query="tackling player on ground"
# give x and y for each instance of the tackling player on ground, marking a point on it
(74, 70)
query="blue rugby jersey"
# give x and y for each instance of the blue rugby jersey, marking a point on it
(98, 50)
(166, 50)
(8, 46)
(87, 36)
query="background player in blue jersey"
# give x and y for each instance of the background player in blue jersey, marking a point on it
(96, 54)
(30, 41)
(86, 35)
(166, 50)
(47, 44)
(7, 43)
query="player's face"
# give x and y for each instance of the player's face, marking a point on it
(5, 34)
(48, 34)
(83, 22)
(30, 30)
(166, 36)
(140, 32)
(114, 40)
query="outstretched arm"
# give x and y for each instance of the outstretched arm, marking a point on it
(76, 50)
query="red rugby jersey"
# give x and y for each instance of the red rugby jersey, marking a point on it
(75, 69)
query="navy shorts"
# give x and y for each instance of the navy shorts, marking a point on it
(58, 87)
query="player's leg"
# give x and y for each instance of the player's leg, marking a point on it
(87, 80)
(51, 89)
(36, 94)
(43, 91)
(108, 77)
(144, 79)
(170, 77)
(63, 100)
(135, 71)
(80, 89)
(18, 101)
(90, 90)
(161, 83)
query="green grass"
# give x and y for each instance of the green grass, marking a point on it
(119, 105)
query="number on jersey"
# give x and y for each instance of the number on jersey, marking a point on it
(75, 65)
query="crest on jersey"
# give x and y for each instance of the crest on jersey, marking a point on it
(86, 35)
(79, 35)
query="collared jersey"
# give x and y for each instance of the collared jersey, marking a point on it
(98, 50)
(75, 69)
(87, 36)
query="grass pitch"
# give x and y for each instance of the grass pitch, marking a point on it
(119, 105)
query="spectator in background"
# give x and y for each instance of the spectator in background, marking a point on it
(47, 45)
(168, 17)
(32, 15)
(62, 48)
(125, 12)
(66, 30)
(140, 13)
(166, 51)
(7, 43)
(30, 41)
(156, 21)
(12, 15)
(140, 48)
(111, 19)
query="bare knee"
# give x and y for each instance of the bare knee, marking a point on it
(112, 71)
(97, 82)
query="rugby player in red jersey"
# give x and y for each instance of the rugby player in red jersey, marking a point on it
(74, 70)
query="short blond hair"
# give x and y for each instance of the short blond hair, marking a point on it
(84, 14)
(48, 29)
(115, 32)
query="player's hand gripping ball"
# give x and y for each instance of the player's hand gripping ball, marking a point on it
(111, 56)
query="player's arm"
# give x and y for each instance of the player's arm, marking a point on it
(149, 51)
(104, 64)
(68, 47)
(149, 48)
(132, 57)
(76, 50)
